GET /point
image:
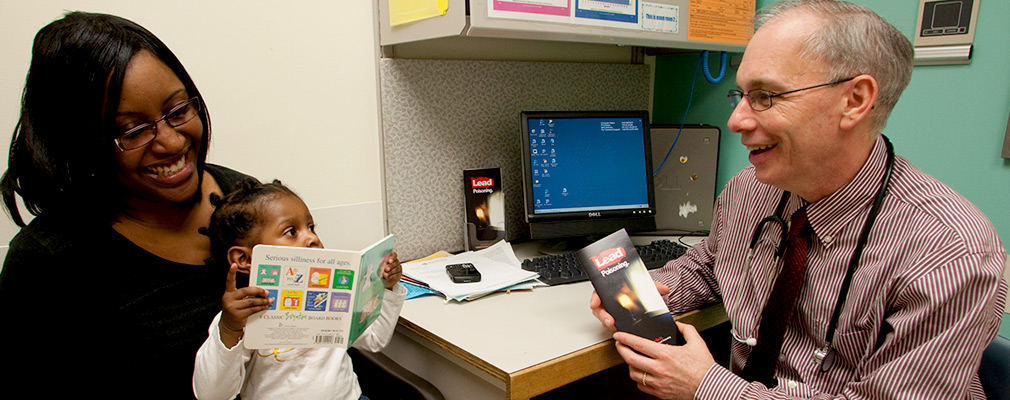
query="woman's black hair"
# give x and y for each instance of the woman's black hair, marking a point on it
(62, 158)
(238, 215)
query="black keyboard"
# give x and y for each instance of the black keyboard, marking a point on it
(564, 268)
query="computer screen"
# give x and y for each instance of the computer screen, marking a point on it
(587, 173)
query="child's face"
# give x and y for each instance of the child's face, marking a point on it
(287, 222)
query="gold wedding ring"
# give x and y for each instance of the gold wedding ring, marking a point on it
(644, 375)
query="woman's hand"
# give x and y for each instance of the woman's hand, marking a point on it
(392, 270)
(236, 307)
(665, 371)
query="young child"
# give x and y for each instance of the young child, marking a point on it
(272, 214)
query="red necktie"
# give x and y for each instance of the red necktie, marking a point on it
(781, 303)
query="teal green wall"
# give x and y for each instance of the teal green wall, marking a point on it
(950, 121)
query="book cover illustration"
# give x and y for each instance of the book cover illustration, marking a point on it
(626, 288)
(322, 297)
(484, 208)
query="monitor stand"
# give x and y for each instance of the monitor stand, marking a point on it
(552, 247)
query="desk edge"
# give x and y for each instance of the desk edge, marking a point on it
(454, 350)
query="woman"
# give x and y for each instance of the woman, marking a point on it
(106, 289)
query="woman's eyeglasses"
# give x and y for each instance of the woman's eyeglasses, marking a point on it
(140, 135)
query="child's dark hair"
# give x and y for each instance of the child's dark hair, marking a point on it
(238, 214)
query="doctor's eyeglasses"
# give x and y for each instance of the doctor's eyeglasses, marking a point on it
(760, 99)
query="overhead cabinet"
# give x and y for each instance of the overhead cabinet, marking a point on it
(677, 24)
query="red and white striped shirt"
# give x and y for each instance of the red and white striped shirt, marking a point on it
(926, 298)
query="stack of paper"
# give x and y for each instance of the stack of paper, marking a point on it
(498, 266)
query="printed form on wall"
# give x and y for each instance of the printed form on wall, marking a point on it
(724, 21)
(623, 14)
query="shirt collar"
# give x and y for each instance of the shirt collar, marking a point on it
(831, 214)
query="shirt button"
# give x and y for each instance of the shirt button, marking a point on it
(782, 357)
(792, 385)
(829, 239)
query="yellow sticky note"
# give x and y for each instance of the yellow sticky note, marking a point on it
(404, 11)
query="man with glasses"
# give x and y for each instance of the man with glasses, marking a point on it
(884, 283)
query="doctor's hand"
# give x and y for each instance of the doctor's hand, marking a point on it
(596, 306)
(664, 371)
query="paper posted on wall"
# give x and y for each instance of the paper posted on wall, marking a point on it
(321, 297)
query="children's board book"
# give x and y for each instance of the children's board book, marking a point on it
(321, 297)
(626, 288)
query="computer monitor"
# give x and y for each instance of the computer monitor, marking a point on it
(587, 173)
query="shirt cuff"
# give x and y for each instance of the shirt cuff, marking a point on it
(719, 383)
(399, 291)
(215, 337)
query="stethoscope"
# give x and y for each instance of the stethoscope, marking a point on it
(825, 356)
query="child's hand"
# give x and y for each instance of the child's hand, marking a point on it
(391, 271)
(236, 307)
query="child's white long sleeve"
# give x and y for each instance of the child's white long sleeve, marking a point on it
(219, 371)
(322, 373)
(380, 332)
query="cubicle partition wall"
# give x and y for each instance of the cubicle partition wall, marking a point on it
(440, 117)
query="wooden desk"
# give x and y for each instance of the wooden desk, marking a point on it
(511, 346)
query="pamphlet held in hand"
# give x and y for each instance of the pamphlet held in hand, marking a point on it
(626, 288)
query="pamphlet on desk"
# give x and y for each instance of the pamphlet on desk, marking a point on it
(483, 208)
(626, 288)
(322, 297)
(498, 266)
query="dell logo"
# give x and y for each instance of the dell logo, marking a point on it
(594, 214)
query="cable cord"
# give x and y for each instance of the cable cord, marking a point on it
(690, 98)
(722, 67)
